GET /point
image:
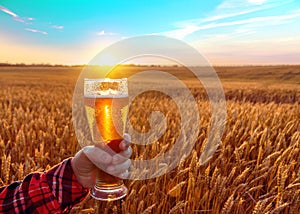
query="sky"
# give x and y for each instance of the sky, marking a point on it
(225, 32)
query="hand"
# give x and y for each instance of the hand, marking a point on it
(86, 171)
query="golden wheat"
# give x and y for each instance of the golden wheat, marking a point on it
(255, 169)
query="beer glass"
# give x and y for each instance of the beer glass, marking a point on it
(106, 106)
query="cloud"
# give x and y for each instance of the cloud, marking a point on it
(27, 21)
(222, 17)
(103, 33)
(5, 10)
(58, 27)
(181, 33)
(14, 15)
(242, 4)
(259, 2)
(36, 31)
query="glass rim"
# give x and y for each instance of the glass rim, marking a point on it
(104, 79)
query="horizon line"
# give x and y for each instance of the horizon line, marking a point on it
(132, 64)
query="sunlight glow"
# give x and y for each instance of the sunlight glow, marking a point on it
(107, 59)
(216, 27)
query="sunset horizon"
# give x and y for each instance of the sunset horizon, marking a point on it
(225, 32)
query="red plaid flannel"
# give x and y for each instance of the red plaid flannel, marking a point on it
(54, 191)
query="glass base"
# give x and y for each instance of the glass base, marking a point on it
(109, 193)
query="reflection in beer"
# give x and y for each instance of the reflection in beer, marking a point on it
(106, 105)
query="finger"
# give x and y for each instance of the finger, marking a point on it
(122, 157)
(118, 158)
(97, 155)
(127, 137)
(123, 175)
(120, 168)
(127, 153)
(126, 142)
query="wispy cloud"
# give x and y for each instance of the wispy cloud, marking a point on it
(36, 31)
(104, 33)
(5, 10)
(58, 27)
(222, 17)
(28, 20)
(217, 16)
(14, 15)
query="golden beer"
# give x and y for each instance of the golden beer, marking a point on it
(106, 105)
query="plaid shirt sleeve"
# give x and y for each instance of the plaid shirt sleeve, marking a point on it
(54, 191)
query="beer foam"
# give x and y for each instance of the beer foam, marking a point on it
(105, 96)
(105, 88)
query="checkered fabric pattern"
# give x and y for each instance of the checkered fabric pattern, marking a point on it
(54, 191)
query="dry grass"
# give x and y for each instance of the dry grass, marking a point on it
(255, 170)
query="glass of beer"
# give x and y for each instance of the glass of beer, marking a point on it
(106, 106)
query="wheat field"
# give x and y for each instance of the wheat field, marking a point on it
(256, 168)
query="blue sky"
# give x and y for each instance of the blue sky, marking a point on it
(226, 32)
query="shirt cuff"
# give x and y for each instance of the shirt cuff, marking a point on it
(65, 186)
